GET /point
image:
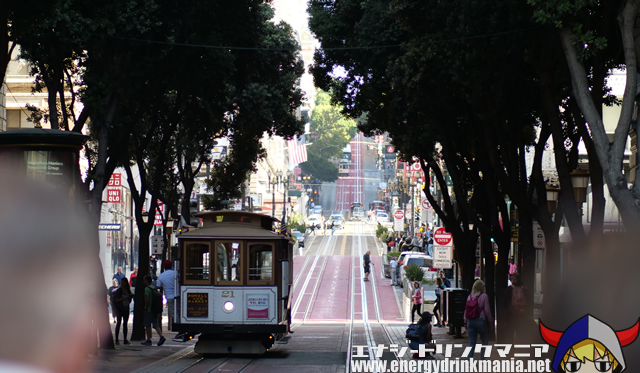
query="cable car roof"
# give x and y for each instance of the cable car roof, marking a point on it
(234, 224)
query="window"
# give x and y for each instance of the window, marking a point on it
(196, 263)
(261, 263)
(422, 262)
(228, 263)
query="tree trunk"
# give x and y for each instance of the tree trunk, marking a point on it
(101, 175)
(138, 333)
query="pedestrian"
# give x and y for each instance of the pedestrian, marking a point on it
(436, 306)
(134, 277)
(119, 275)
(517, 318)
(477, 316)
(445, 280)
(332, 227)
(153, 263)
(166, 283)
(415, 243)
(123, 297)
(416, 298)
(111, 301)
(425, 335)
(150, 317)
(366, 262)
(430, 241)
(392, 271)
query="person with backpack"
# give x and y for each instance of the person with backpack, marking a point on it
(152, 307)
(420, 333)
(515, 302)
(477, 316)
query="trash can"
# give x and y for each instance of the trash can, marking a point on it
(455, 300)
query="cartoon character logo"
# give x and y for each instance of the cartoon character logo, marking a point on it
(589, 345)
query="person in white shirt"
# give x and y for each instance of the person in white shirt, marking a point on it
(166, 283)
(392, 271)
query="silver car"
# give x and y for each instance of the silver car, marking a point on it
(424, 261)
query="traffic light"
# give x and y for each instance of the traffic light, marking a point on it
(311, 200)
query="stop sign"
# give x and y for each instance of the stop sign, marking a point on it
(441, 237)
(398, 215)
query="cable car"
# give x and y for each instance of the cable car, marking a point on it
(234, 283)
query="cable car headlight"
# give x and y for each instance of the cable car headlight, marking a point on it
(228, 306)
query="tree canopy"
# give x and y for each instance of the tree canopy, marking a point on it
(332, 132)
(158, 83)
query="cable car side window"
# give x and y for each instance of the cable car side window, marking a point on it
(196, 263)
(228, 263)
(261, 263)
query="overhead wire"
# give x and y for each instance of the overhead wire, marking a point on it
(231, 47)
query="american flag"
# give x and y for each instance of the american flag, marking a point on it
(297, 150)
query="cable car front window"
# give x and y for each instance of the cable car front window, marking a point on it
(228, 262)
(261, 263)
(197, 262)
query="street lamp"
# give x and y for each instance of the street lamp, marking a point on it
(580, 181)
(552, 198)
(273, 195)
(285, 201)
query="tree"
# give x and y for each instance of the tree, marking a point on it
(334, 131)
(590, 42)
(463, 86)
(145, 77)
(319, 167)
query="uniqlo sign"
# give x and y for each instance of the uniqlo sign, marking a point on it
(159, 214)
(115, 181)
(113, 195)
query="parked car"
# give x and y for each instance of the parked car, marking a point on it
(337, 220)
(299, 237)
(423, 260)
(382, 217)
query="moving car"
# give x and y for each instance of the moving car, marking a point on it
(317, 210)
(357, 213)
(423, 260)
(337, 220)
(314, 221)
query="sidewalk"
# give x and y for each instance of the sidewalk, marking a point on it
(135, 357)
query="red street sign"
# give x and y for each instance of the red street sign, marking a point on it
(441, 237)
(398, 215)
(113, 195)
(425, 204)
